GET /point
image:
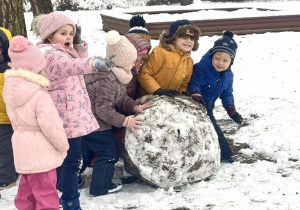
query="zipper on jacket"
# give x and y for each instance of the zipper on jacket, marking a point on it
(213, 96)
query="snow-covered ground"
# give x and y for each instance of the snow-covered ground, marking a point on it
(266, 90)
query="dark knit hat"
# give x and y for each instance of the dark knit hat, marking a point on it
(225, 44)
(138, 25)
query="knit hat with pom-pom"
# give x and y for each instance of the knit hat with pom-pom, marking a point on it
(138, 25)
(45, 25)
(24, 55)
(225, 44)
(119, 45)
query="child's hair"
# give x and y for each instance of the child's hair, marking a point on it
(24, 55)
(45, 25)
(144, 58)
(182, 29)
(225, 44)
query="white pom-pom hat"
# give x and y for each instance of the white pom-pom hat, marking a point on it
(119, 45)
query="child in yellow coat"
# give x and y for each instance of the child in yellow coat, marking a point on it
(170, 66)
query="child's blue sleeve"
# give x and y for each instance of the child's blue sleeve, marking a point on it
(197, 78)
(227, 96)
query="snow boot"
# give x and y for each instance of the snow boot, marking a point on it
(71, 204)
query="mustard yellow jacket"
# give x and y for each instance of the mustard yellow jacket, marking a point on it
(168, 69)
(5, 36)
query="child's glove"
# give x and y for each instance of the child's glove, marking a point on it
(141, 108)
(196, 96)
(233, 114)
(186, 93)
(132, 123)
(105, 63)
(170, 93)
(77, 38)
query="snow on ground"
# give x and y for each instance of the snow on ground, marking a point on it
(266, 89)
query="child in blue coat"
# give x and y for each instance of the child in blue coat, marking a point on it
(212, 79)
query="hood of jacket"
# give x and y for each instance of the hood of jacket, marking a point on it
(20, 85)
(4, 57)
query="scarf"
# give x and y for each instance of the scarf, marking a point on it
(122, 76)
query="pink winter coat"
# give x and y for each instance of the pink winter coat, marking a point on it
(39, 140)
(65, 71)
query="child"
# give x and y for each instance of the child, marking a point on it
(143, 47)
(65, 68)
(8, 174)
(39, 139)
(213, 78)
(107, 91)
(169, 68)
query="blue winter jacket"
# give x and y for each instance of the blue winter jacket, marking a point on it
(211, 83)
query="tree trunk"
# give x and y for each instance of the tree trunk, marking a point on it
(41, 7)
(12, 17)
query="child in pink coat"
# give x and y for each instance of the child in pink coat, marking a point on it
(65, 69)
(39, 140)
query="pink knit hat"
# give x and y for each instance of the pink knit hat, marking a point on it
(45, 25)
(119, 45)
(24, 55)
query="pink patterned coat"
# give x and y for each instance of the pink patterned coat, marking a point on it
(39, 140)
(65, 70)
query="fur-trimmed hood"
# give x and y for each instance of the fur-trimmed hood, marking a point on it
(181, 32)
(22, 85)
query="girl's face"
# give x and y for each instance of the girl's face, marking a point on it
(64, 36)
(184, 44)
(221, 61)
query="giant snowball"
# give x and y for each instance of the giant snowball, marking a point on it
(176, 144)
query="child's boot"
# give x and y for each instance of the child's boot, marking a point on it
(71, 204)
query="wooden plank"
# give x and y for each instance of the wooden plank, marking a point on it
(196, 10)
(215, 26)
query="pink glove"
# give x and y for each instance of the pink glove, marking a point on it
(132, 123)
(141, 108)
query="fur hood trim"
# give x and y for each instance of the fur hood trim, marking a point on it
(34, 24)
(166, 41)
(29, 76)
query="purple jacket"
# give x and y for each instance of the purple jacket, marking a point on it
(108, 96)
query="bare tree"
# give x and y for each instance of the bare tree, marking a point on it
(41, 7)
(12, 16)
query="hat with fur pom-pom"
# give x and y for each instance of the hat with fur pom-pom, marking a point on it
(119, 45)
(24, 55)
(138, 26)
